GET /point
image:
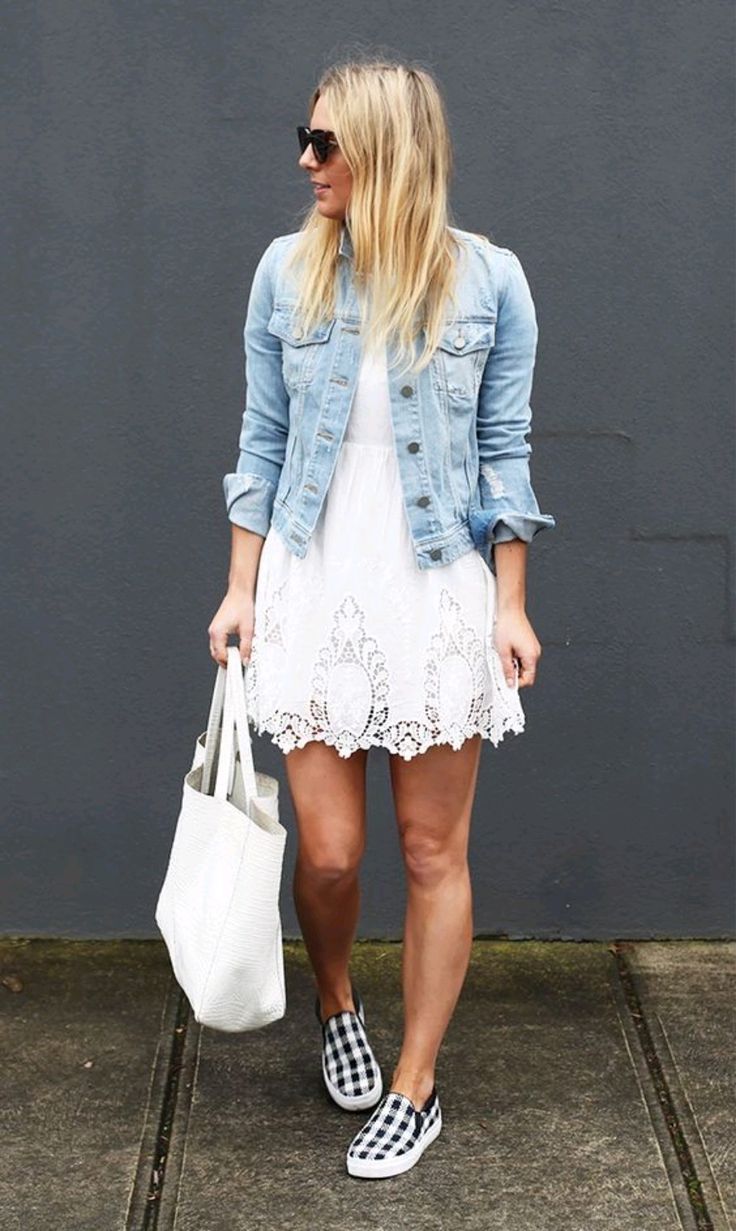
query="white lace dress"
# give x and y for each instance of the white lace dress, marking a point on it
(354, 644)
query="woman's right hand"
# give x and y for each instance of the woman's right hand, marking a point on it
(236, 614)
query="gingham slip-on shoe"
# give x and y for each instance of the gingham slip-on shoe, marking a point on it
(395, 1136)
(350, 1069)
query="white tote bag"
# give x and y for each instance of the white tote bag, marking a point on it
(218, 908)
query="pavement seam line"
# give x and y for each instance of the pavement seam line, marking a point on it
(168, 1109)
(168, 1212)
(648, 1094)
(152, 1110)
(145, 1204)
(713, 1196)
(665, 1101)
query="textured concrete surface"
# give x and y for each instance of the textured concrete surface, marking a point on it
(119, 1113)
(687, 992)
(544, 1124)
(81, 1027)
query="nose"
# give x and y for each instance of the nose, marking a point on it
(308, 161)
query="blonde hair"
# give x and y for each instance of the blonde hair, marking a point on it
(390, 122)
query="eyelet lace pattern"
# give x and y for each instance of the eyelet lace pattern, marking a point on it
(353, 644)
(463, 689)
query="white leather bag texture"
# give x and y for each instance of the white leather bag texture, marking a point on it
(218, 908)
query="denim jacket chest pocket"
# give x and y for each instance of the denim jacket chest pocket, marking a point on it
(299, 347)
(461, 355)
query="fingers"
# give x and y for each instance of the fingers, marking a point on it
(236, 614)
(527, 667)
(527, 672)
(218, 643)
(218, 635)
(508, 662)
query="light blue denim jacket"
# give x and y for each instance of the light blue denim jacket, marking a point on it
(460, 425)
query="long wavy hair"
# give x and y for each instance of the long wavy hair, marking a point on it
(390, 122)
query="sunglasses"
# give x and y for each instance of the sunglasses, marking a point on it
(321, 139)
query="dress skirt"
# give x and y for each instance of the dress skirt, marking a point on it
(354, 644)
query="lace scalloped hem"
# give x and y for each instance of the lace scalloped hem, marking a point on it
(406, 739)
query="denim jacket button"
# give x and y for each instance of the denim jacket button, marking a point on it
(423, 501)
(459, 341)
(298, 332)
(406, 391)
(413, 446)
(436, 553)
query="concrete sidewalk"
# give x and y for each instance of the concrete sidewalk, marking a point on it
(584, 1087)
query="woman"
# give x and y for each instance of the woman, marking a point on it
(389, 360)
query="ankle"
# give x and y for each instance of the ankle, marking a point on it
(416, 1084)
(335, 999)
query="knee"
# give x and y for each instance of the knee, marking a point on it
(428, 859)
(327, 865)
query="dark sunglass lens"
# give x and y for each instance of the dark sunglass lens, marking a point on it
(319, 138)
(321, 147)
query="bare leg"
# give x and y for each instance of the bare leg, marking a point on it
(433, 795)
(328, 793)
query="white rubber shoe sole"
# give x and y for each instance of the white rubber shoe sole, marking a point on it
(358, 1102)
(352, 1102)
(380, 1168)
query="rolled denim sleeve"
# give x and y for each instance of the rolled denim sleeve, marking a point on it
(251, 488)
(509, 507)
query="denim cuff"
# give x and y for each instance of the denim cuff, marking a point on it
(249, 500)
(504, 526)
(508, 506)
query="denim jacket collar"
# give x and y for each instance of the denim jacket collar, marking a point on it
(346, 242)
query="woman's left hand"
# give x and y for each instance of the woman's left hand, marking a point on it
(515, 638)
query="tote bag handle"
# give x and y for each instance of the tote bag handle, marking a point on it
(235, 730)
(212, 738)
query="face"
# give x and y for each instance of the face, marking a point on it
(334, 173)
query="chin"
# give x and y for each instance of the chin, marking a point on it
(330, 211)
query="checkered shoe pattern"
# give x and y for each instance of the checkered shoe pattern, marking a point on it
(351, 1072)
(395, 1136)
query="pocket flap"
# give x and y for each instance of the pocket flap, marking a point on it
(285, 325)
(465, 335)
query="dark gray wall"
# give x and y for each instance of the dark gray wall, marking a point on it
(153, 158)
